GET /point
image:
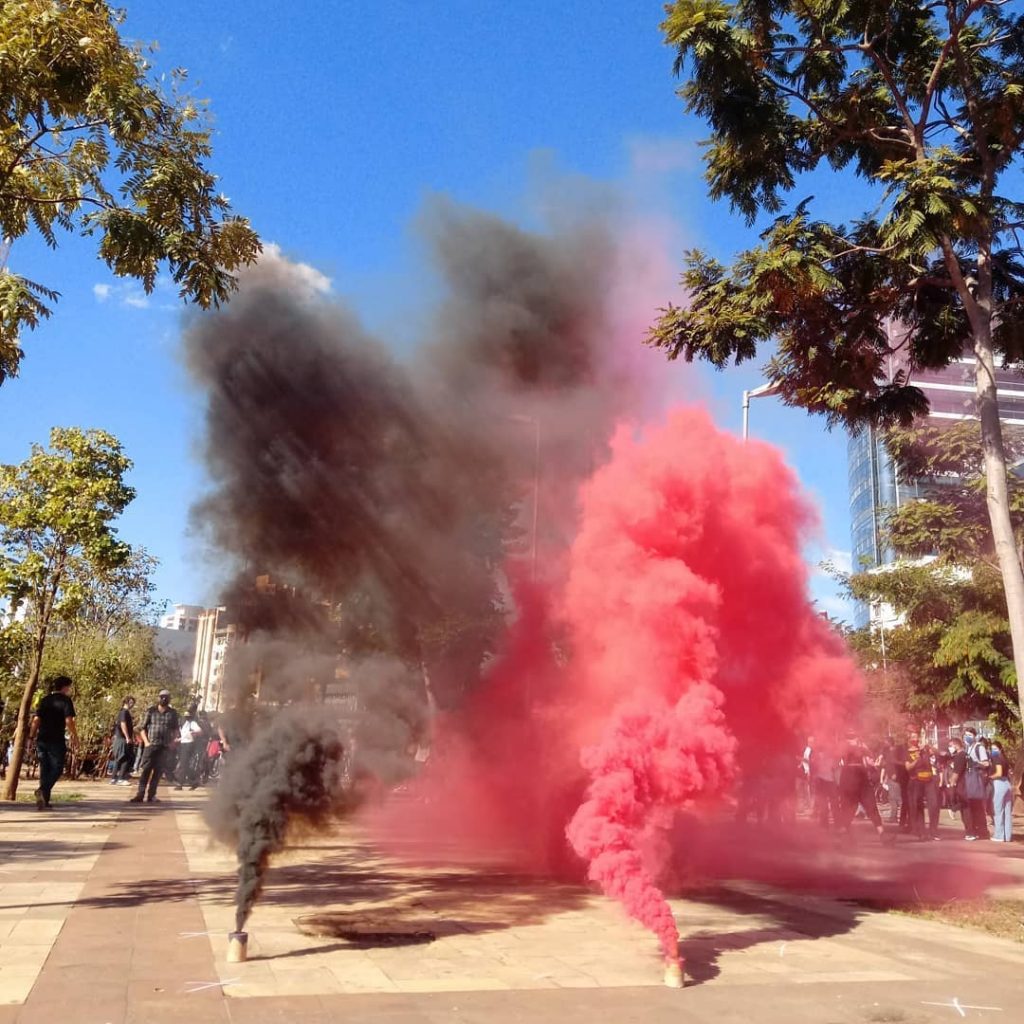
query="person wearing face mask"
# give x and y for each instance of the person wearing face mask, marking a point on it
(975, 786)
(159, 733)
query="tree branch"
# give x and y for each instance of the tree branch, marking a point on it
(870, 249)
(951, 41)
(898, 98)
(927, 281)
(62, 201)
(9, 170)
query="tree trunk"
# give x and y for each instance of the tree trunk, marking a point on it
(997, 499)
(24, 714)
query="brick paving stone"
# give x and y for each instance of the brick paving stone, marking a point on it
(118, 956)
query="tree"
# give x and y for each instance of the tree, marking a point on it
(105, 668)
(952, 645)
(56, 514)
(951, 649)
(925, 102)
(950, 518)
(90, 140)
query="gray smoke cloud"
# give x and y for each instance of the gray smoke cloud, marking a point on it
(379, 499)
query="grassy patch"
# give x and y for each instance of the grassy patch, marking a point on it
(1001, 917)
(26, 795)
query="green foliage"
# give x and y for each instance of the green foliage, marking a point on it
(923, 101)
(106, 669)
(56, 533)
(952, 646)
(56, 510)
(91, 140)
(951, 520)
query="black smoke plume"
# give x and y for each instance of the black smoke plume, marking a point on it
(364, 504)
(292, 775)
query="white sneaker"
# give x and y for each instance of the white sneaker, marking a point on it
(970, 839)
(995, 840)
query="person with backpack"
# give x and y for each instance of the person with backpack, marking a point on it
(975, 786)
(1002, 794)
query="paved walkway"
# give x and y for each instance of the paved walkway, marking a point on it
(115, 914)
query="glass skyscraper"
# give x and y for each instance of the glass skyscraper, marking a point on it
(874, 484)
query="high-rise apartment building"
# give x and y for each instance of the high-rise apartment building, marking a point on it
(182, 616)
(214, 637)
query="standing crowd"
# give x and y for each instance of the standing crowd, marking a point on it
(185, 749)
(969, 777)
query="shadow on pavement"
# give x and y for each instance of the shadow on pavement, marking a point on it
(445, 902)
(32, 851)
(703, 949)
(857, 873)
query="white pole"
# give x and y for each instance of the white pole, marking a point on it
(746, 414)
(536, 499)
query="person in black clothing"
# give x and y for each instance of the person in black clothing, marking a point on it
(54, 715)
(159, 734)
(124, 745)
(856, 787)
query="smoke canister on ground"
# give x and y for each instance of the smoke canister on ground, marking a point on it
(238, 947)
(675, 972)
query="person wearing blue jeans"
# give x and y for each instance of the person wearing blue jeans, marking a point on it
(1002, 795)
(54, 715)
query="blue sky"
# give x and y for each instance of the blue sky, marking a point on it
(334, 123)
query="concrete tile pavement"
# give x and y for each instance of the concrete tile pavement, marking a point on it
(134, 947)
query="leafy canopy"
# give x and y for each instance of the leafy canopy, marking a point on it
(923, 101)
(56, 514)
(950, 519)
(90, 140)
(952, 646)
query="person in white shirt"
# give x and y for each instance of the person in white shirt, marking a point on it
(190, 746)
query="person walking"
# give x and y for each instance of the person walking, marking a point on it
(1002, 794)
(54, 715)
(856, 786)
(190, 734)
(124, 745)
(159, 734)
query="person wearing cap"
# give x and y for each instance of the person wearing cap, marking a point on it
(159, 734)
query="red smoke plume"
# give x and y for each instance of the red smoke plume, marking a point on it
(692, 651)
(690, 624)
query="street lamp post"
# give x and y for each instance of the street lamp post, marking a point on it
(523, 418)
